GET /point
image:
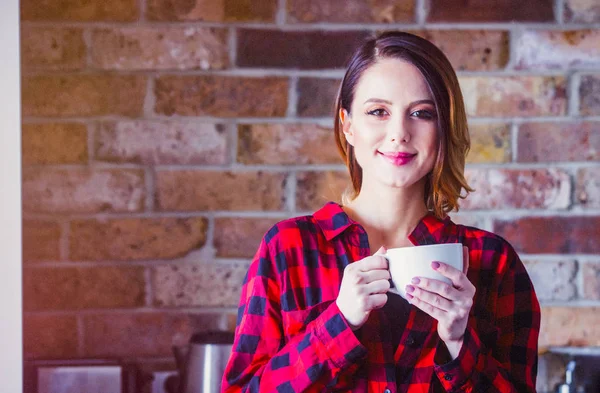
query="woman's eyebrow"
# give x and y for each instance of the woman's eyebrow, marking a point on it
(382, 101)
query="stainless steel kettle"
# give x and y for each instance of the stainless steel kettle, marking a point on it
(202, 363)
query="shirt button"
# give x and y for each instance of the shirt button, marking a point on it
(448, 377)
(387, 391)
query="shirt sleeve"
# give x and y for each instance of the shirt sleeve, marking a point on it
(511, 364)
(262, 360)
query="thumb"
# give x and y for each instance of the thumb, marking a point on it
(382, 250)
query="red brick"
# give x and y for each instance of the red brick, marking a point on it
(514, 95)
(75, 288)
(296, 49)
(212, 190)
(83, 95)
(314, 189)
(83, 190)
(538, 49)
(358, 11)
(212, 10)
(41, 241)
(518, 189)
(134, 48)
(76, 10)
(143, 334)
(557, 141)
(587, 191)
(204, 285)
(286, 144)
(136, 238)
(553, 280)
(240, 237)
(552, 235)
(570, 326)
(316, 97)
(472, 50)
(581, 11)
(591, 281)
(490, 143)
(59, 143)
(221, 96)
(589, 95)
(483, 11)
(50, 337)
(52, 48)
(162, 143)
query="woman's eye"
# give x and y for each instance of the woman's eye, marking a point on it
(423, 114)
(377, 112)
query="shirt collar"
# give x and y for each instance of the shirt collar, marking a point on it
(333, 221)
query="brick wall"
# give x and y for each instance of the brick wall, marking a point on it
(161, 138)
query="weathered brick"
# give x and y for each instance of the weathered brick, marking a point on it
(552, 235)
(490, 143)
(591, 281)
(143, 334)
(240, 237)
(49, 336)
(314, 189)
(471, 50)
(41, 240)
(75, 288)
(162, 142)
(518, 189)
(76, 10)
(551, 371)
(316, 97)
(83, 95)
(553, 280)
(59, 143)
(554, 142)
(589, 95)
(587, 190)
(549, 49)
(581, 11)
(212, 10)
(181, 48)
(570, 326)
(360, 11)
(205, 285)
(221, 96)
(52, 48)
(83, 190)
(136, 238)
(211, 190)
(286, 144)
(296, 49)
(514, 96)
(482, 11)
(468, 219)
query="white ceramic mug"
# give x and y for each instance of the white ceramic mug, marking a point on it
(405, 263)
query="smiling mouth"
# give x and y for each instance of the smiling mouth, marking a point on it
(398, 158)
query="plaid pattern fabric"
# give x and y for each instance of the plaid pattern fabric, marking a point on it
(292, 337)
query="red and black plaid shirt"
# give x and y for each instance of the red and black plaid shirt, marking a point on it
(292, 337)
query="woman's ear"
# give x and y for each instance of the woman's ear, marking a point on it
(347, 126)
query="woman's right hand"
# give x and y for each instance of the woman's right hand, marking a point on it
(363, 289)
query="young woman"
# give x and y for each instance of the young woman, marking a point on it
(315, 314)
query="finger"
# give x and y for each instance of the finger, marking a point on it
(430, 298)
(465, 259)
(377, 300)
(438, 287)
(458, 278)
(372, 263)
(427, 308)
(379, 286)
(374, 275)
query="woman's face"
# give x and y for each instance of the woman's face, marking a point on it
(392, 125)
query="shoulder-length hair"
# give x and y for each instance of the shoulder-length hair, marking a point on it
(446, 181)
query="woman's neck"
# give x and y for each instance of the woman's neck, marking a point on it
(388, 215)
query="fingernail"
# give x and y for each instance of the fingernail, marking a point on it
(435, 265)
(409, 296)
(410, 288)
(415, 281)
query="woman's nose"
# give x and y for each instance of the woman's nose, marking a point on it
(399, 132)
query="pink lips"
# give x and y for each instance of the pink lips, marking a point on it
(398, 158)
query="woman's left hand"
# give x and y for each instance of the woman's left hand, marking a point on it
(449, 304)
